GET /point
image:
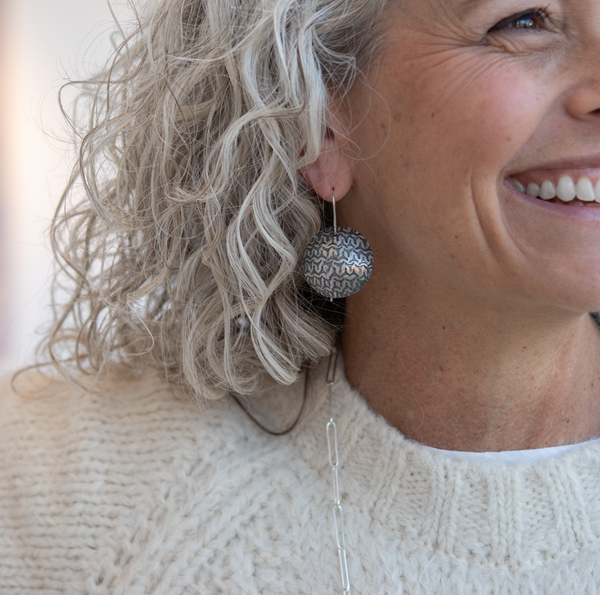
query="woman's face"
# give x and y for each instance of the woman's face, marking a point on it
(467, 95)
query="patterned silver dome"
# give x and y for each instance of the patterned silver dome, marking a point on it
(338, 263)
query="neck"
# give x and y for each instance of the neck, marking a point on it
(479, 377)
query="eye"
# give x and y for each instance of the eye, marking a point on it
(534, 19)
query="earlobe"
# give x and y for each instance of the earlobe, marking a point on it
(331, 172)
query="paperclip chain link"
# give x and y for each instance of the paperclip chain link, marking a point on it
(334, 461)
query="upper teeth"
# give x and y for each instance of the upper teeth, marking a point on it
(547, 191)
(585, 190)
(566, 189)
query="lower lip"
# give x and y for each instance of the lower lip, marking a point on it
(588, 214)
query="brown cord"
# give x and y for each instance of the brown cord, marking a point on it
(264, 428)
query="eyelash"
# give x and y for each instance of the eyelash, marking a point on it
(540, 14)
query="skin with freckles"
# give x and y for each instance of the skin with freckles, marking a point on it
(473, 332)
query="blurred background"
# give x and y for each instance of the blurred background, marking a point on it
(42, 45)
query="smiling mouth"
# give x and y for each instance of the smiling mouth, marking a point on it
(569, 189)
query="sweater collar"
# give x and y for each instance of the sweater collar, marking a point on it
(520, 515)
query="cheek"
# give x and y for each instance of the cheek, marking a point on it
(458, 121)
(501, 114)
(472, 115)
(447, 135)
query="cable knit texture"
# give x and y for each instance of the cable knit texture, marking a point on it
(137, 491)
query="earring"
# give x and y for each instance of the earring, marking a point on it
(338, 261)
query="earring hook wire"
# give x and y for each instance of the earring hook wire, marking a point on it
(334, 214)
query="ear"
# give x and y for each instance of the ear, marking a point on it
(331, 173)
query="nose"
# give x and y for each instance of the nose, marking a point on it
(583, 101)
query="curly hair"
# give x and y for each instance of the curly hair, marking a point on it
(184, 221)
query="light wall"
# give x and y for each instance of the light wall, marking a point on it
(44, 43)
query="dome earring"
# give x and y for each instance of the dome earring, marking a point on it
(338, 261)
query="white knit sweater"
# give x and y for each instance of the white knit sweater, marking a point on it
(137, 491)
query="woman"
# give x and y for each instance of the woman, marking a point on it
(462, 139)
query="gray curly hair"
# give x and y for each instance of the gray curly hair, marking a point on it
(181, 253)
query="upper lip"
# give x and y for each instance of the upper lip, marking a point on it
(579, 162)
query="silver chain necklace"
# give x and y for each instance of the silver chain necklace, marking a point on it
(334, 462)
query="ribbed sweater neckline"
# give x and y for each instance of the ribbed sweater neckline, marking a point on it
(514, 516)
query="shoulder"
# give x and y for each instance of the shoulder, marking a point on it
(111, 482)
(126, 429)
(118, 413)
